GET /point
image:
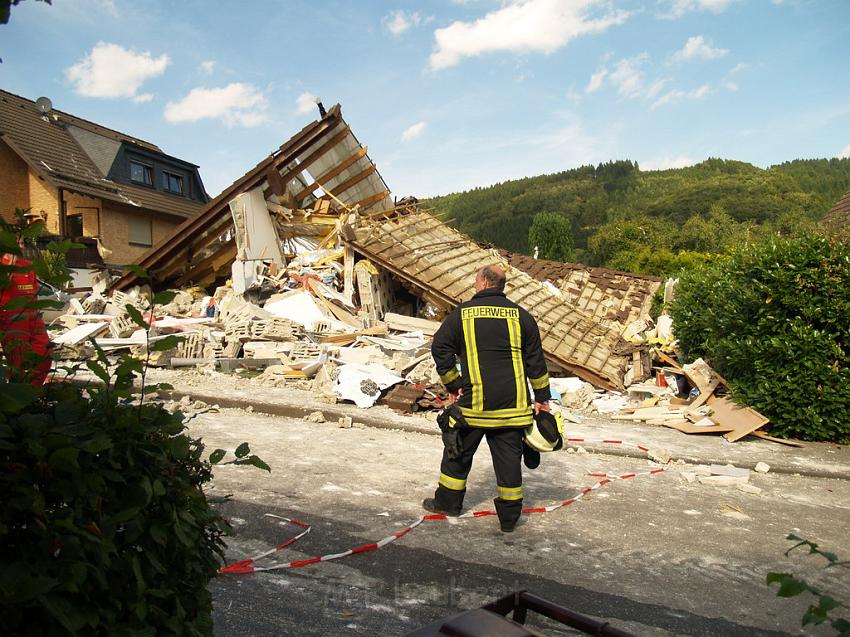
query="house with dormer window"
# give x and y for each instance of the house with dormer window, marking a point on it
(114, 193)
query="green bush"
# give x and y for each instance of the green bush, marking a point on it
(775, 320)
(104, 527)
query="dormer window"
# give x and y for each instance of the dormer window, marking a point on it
(141, 173)
(172, 183)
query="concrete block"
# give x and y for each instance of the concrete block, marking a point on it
(729, 470)
(661, 456)
(762, 467)
(723, 481)
(749, 488)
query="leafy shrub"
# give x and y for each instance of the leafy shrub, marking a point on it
(775, 320)
(658, 262)
(104, 527)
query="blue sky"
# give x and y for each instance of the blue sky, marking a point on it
(449, 94)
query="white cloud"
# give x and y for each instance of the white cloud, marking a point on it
(845, 152)
(697, 47)
(110, 70)
(677, 95)
(700, 92)
(628, 77)
(207, 67)
(397, 22)
(665, 163)
(523, 25)
(678, 8)
(109, 7)
(236, 103)
(142, 97)
(412, 132)
(596, 81)
(738, 68)
(732, 86)
(305, 103)
(655, 88)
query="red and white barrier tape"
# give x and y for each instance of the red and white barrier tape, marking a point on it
(247, 566)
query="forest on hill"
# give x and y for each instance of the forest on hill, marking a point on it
(654, 222)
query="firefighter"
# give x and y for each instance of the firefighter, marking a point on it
(22, 332)
(498, 344)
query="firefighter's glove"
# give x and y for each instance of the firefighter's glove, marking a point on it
(451, 421)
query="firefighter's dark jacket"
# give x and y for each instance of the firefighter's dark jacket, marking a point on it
(498, 344)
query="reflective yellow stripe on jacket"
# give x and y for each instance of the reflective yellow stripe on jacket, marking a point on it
(514, 417)
(540, 383)
(472, 362)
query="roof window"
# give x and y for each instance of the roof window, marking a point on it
(141, 173)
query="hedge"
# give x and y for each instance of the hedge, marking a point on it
(774, 319)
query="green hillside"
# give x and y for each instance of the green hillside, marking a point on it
(650, 221)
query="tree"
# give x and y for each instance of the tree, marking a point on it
(551, 235)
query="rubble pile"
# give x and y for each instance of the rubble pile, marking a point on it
(306, 273)
(690, 398)
(300, 331)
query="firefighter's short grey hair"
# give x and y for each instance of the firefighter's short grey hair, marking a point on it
(494, 276)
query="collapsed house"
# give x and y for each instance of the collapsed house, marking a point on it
(306, 267)
(321, 190)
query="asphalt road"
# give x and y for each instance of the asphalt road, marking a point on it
(653, 555)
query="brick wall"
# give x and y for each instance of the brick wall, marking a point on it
(114, 231)
(44, 198)
(14, 184)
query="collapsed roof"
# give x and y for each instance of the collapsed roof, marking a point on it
(580, 325)
(442, 262)
(613, 296)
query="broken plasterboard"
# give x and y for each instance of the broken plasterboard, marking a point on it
(404, 323)
(297, 306)
(80, 333)
(256, 237)
(363, 383)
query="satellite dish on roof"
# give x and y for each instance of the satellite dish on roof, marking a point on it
(44, 105)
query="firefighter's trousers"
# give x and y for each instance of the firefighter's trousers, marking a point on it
(506, 450)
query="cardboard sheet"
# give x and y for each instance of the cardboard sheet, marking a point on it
(740, 421)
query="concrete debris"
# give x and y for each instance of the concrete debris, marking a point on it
(749, 488)
(762, 467)
(691, 398)
(315, 416)
(723, 481)
(345, 422)
(729, 470)
(661, 456)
